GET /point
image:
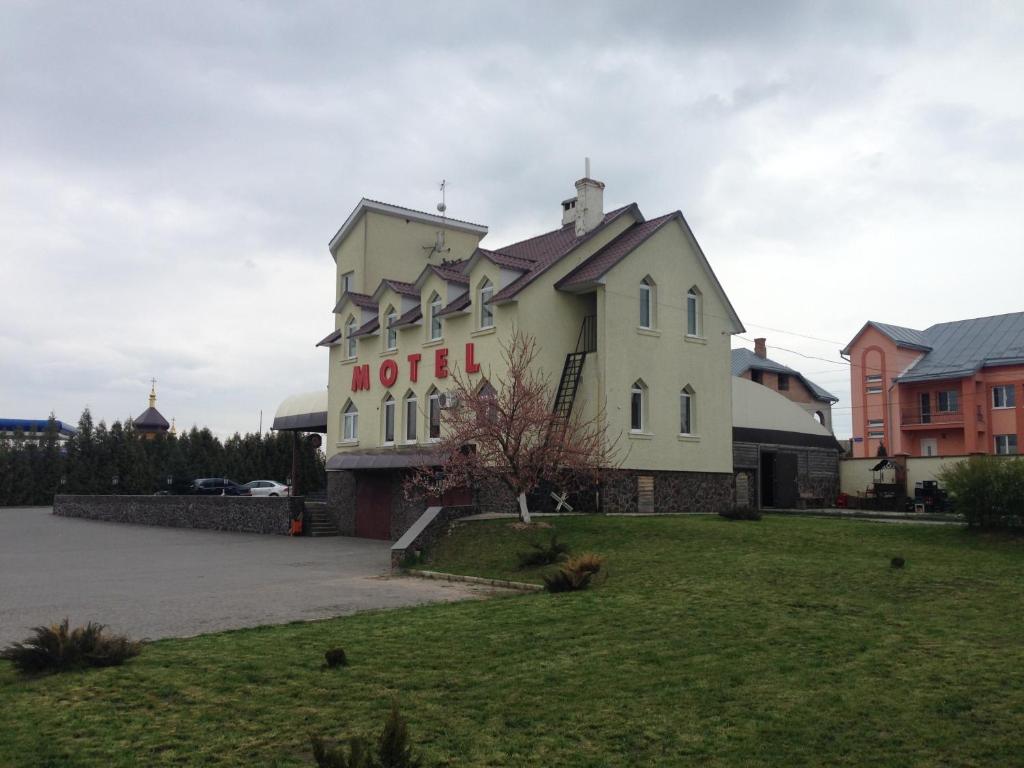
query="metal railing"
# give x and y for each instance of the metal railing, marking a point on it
(915, 415)
(587, 341)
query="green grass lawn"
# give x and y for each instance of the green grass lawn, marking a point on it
(785, 642)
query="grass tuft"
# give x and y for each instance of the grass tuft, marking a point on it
(58, 648)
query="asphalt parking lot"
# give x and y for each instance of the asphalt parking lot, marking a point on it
(168, 582)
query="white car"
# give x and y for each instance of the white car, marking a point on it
(267, 488)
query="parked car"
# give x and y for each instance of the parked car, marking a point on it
(218, 486)
(267, 488)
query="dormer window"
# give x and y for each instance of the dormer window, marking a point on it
(391, 333)
(350, 338)
(434, 317)
(486, 310)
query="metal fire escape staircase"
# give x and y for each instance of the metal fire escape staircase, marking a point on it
(572, 371)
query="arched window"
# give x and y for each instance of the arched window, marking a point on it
(434, 317)
(489, 396)
(638, 407)
(647, 303)
(694, 312)
(350, 422)
(389, 420)
(687, 411)
(486, 310)
(350, 339)
(819, 417)
(434, 414)
(411, 416)
(390, 332)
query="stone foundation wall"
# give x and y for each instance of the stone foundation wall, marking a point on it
(673, 491)
(220, 513)
(440, 526)
(341, 500)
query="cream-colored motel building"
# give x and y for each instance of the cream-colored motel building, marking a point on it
(629, 302)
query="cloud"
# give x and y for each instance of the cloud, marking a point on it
(173, 172)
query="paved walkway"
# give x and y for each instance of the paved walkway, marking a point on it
(170, 582)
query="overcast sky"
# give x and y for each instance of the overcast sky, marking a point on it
(171, 173)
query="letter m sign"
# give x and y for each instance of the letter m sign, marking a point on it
(360, 377)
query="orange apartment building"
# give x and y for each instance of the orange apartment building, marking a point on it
(950, 390)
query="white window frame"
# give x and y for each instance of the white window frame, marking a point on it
(876, 423)
(1004, 389)
(1006, 441)
(435, 329)
(433, 406)
(951, 396)
(874, 390)
(638, 389)
(411, 417)
(350, 423)
(390, 332)
(485, 295)
(694, 300)
(351, 342)
(686, 411)
(647, 303)
(876, 435)
(388, 410)
(873, 378)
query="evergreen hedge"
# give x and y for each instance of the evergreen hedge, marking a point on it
(35, 467)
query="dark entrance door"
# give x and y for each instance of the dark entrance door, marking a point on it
(767, 474)
(373, 505)
(785, 480)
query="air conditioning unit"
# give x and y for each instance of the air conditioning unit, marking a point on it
(449, 399)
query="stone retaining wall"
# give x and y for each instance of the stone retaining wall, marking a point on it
(221, 513)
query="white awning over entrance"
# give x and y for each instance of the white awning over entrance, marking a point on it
(305, 412)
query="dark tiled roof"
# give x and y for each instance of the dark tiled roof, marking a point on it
(414, 315)
(329, 339)
(546, 250)
(618, 249)
(452, 272)
(744, 359)
(963, 347)
(401, 287)
(907, 337)
(505, 260)
(151, 418)
(457, 304)
(361, 300)
(368, 328)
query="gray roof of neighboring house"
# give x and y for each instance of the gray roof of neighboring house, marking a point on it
(904, 337)
(963, 347)
(744, 359)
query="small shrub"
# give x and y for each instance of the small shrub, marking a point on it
(897, 562)
(576, 574)
(58, 648)
(393, 748)
(335, 657)
(544, 554)
(356, 756)
(741, 513)
(988, 490)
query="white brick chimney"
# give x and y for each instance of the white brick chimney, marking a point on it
(589, 203)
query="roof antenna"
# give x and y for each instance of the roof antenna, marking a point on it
(438, 246)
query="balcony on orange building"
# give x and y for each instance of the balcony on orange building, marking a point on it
(916, 417)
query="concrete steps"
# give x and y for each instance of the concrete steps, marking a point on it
(317, 522)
